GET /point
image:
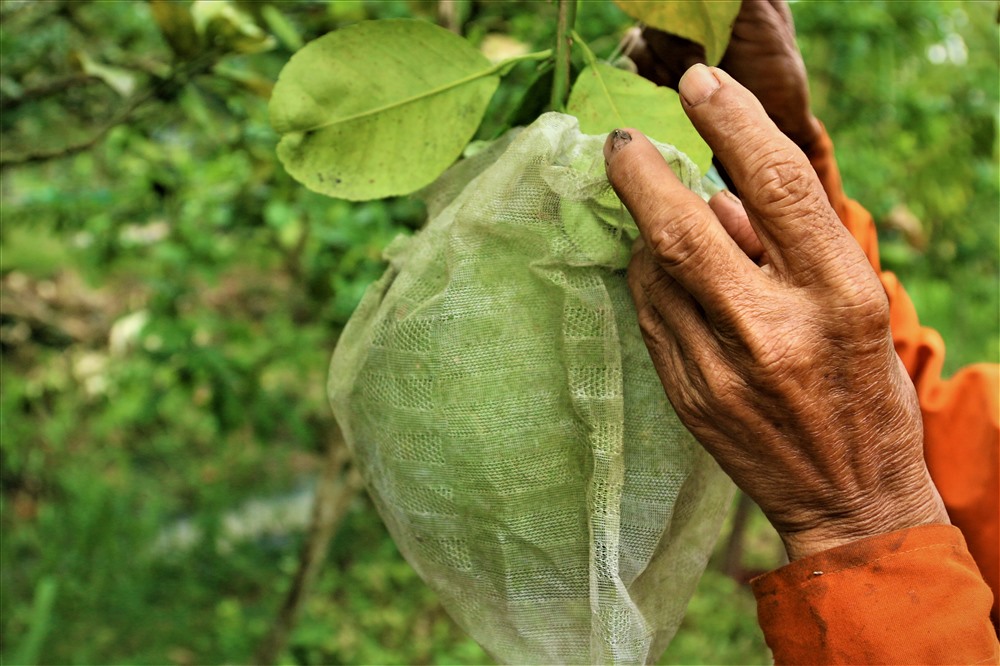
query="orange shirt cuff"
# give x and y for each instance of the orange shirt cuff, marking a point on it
(911, 596)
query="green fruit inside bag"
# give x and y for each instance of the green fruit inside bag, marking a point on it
(495, 390)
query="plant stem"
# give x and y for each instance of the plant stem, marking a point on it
(334, 493)
(588, 55)
(564, 42)
(504, 66)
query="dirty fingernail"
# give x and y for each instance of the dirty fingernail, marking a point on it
(697, 84)
(616, 140)
(732, 197)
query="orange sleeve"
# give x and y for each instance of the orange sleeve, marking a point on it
(909, 597)
(925, 595)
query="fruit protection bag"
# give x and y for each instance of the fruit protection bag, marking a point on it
(496, 393)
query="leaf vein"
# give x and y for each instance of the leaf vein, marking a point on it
(491, 71)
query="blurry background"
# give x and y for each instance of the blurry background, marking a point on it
(170, 300)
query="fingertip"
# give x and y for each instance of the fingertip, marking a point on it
(726, 203)
(643, 180)
(683, 239)
(733, 216)
(698, 84)
(630, 159)
(632, 163)
(617, 140)
(708, 91)
(778, 184)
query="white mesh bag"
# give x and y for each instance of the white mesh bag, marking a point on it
(495, 390)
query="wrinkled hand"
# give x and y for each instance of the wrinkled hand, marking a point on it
(783, 367)
(762, 55)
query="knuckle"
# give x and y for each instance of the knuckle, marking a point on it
(794, 344)
(725, 389)
(689, 403)
(783, 183)
(711, 389)
(779, 346)
(782, 342)
(654, 283)
(678, 244)
(780, 354)
(636, 273)
(879, 313)
(651, 326)
(872, 306)
(860, 296)
(681, 382)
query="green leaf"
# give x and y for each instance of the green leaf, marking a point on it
(380, 108)
(708, 22)
(605, 97)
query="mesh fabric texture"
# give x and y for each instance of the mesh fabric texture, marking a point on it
(495, 390)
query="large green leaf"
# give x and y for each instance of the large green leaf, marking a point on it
(708, 22)
(379, 108)
(605, 97)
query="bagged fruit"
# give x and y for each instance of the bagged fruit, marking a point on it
(496, 393)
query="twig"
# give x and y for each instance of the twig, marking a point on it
(333, 496)
(563, 51)
(183, 72)
(588, 54)
(48, 88)
(77, 147)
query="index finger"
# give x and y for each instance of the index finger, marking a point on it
(680, 229)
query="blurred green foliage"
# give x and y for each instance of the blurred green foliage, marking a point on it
(909, 92)
(170, 299)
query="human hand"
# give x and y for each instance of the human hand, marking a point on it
(762, 55)
(784, 367)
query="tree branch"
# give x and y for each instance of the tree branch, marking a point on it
(333, 497)
(78, 146)
(45, 89)
(183, 72)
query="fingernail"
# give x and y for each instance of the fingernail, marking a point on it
(697, 84)
(731, 196)
(616, 140)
